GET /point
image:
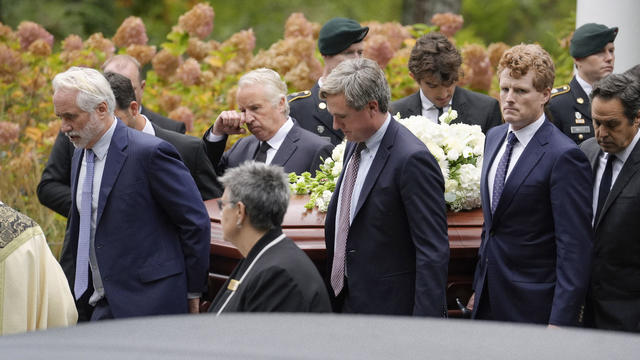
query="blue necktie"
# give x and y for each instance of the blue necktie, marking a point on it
(84, 233)
(501, 172)
(605, 186)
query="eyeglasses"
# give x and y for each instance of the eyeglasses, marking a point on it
(221, 203)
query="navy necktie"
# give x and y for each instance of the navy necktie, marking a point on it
(440, 111)
(344, 222)
(84, 232)
(261, 155)
(501, 172)
(605, 186)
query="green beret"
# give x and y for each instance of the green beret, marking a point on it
(590, 39)
(338, 34)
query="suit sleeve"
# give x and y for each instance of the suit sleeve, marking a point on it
(205, 175)
(215, 152)
(571, 203)
(176, 192)
(423, 196)
(323, 153)
(54, 189)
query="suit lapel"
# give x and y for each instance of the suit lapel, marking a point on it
(526, 163)
(115, 160)
(378, 164)
(459, 104)
(491, 149)
(287, 148)
(76, 161)
(585, 107)
(629, 169)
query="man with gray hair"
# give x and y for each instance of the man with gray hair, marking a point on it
(274, 274)
(613, 300)
(118, 266)
(277, 139)
(386, 226)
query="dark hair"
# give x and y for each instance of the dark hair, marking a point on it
(122, 90)
(434, 55)
(623, 87)
(634, 71)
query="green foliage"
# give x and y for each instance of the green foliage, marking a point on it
(178, 42)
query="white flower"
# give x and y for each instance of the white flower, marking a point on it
(457, 148)
(326, 196)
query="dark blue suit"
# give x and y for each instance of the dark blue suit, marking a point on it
(152, 229)
(397, 251)
(536, 248)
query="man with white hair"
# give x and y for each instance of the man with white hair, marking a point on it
(119, 265)
(276, 139)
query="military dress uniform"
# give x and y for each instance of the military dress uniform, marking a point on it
(311, 114)
(570, 110)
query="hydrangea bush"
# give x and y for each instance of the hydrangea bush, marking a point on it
(190, 79)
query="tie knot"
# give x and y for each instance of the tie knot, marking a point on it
(361, 146)
(89, 154)
(511, 138)
(610, 159)
(264, 146)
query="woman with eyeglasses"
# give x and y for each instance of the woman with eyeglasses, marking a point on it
(274, 274)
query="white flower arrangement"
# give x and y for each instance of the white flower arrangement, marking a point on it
(456, 147)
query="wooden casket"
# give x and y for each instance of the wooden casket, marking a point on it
(306, 228)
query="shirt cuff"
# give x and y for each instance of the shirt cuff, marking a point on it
(193, 295)
(211, 137)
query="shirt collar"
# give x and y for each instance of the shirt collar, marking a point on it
(525, 134)
(427, 104)
(584, 84)
(277, 139)
(624, 154)
(148, 128)
(102, 146)
(374, 141)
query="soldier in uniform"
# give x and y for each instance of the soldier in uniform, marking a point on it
(593, 53)
(339, 39)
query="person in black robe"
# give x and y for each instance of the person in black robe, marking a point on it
(275, 275)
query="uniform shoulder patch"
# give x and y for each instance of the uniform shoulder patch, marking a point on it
(560, 90)
(299, 95)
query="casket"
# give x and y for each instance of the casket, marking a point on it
(306, 228)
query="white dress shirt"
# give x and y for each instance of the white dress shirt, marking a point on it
(585, 85)
(148, 128)
(523, 135)
(100, 149)
(429, 110)
(616, 167)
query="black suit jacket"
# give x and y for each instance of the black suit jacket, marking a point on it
(570, 111)
(312, 115)
(194, 156)
(54, 188)
(164, 122)
(473, 108)
(300, 151)
(283, 279)
(613, 301)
